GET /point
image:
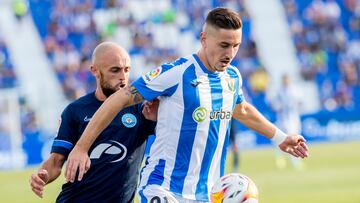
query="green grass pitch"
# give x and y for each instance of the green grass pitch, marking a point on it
(331, 175)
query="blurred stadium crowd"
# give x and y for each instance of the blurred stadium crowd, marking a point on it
(326, 34)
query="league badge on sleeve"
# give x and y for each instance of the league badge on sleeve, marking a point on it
(149, 76)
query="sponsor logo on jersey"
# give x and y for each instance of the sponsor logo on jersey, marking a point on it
(149, 76)
(129, 120)
(112, 148)
(201, 113)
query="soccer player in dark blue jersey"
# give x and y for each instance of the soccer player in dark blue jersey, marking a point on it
(117, 154)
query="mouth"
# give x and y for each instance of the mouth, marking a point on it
(224, 62)
(121, 86)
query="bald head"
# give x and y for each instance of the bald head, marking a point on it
(111, 67)
(104, 49)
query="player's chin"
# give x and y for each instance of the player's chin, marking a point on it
(222, 67)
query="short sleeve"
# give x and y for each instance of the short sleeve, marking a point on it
(67, 134)
(234, 73)
(162, 81)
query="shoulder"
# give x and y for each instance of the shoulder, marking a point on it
(80, 103)
(167, 71)
(233, 71)
(175, 65)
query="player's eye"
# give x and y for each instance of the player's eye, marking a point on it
(115, 69)
(224, 45)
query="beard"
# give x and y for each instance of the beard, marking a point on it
(107, 91)
(106, 87)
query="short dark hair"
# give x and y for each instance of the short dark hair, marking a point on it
(224, 18)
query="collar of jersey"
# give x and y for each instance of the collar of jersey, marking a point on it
(202, 66)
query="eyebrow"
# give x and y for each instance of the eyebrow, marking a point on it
(227, 43)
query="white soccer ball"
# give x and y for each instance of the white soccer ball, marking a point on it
(234, 188)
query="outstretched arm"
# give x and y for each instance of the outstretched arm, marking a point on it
(78, 158)
(106, 113)
(253, 119)
(48, 172)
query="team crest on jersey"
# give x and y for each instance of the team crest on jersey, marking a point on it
(149, 76)
(129, 120)
(231, 84)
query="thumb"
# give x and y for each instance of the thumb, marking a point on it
(44, 175)
(87, 165)
(301, 139)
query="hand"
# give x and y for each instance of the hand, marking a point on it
(38, 181)
(295, 145)
(78, 159)
(150, 110)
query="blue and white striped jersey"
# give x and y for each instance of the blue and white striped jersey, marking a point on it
(196, 105)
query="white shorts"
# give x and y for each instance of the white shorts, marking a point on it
(157, 194)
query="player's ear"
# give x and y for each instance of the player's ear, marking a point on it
(203, 39)
(94, 71)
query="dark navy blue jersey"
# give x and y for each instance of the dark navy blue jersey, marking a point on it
(115, 156)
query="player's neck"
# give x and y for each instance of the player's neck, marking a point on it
(204, 61)
(99, 94)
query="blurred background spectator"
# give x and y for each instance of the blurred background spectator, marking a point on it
(325, 34)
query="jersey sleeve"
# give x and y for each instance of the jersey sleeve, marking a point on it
(67, 134)
(162, 81)
(240, 97)
(240, 93)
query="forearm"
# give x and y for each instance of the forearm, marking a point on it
(53, 166)
(100, 120)
(253, 119)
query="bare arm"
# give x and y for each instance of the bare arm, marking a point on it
(253, 119)
(106, 113)
(248, 115)
(48, 172)
(78, 158)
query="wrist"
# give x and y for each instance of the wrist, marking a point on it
(278, 137)
(81, 146)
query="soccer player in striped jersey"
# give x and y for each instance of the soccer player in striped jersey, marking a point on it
(199, 94)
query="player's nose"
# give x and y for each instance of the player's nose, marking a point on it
(230, 53)
(122, 74)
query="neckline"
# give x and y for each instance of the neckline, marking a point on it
(202, 66)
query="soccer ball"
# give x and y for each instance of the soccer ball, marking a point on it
(234, 188)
